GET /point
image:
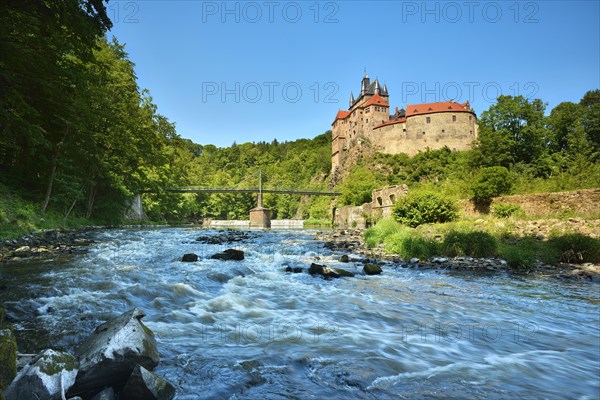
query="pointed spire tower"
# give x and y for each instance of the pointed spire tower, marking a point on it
(377, 88)
(365, 83)
(352, 101)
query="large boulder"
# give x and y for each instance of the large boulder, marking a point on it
(189, 257)
(48, 376)
(146, 385)
(328, 272)
(109, 355)
(229, 254)
(8, 356)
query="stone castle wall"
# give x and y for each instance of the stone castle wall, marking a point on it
(417, 135)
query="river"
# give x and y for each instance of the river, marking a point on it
(249, 330)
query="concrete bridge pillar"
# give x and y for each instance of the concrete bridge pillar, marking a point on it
(260, 217)
(136, 210)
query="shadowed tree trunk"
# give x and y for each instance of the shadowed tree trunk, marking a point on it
(53, 171)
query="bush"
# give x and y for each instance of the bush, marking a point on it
(473, 244)
(505, 210)
(491, 182)
(409, 244)
(573, 248)
(382, 229)
(417, 209)
(521, 255)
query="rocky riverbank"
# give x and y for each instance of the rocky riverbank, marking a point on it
(47, 242)
(351, 240)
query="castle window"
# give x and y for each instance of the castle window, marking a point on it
(376, 108)
(428, 120)
(367, 120)
(454, 118)
(470, 118)
(367, 109)
(423, 132)
(379, 201)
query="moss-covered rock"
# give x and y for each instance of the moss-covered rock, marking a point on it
(8, 357)
(47, 376)
(372, 269)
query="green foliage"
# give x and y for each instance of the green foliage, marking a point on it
(408, 244)
(417, 209)
(473, 244)
(20, 216)
(520, 255)
(572, 248)
(358, 187)
(505, 210)
(382, 229)
(491, 182)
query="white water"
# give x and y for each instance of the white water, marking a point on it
(248, 330)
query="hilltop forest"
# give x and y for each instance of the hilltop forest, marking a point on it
(79, 137)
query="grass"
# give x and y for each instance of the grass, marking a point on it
(491, 238)
(314, 222)
(19, 216)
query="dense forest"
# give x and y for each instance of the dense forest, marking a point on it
(79, 137)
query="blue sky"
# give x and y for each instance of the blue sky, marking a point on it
(255, 71)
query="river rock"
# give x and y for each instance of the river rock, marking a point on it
(295, 270)
(8, 356)
(190, 257)
(372, 269)
(328, 272)
(146, 385)
(344, 258)
(229, 254)
(48, 376)
(109, 355)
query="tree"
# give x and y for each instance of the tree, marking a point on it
(358, 187)
(512, 131)
(491, 182)
(591, 117)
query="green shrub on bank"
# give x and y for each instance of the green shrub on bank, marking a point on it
(408, 244)
(520, 255)
(382, 229)
(505, 210)
(473, 244)
(417, 209)
(491, 182)
(572, 248)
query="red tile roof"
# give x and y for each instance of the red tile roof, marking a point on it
(376, 100)
(441, 106)
(392, 122)
(341, 115)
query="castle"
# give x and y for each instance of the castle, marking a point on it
(419, 127)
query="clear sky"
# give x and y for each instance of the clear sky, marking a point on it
(259, 70)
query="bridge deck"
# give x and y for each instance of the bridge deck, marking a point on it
(274, 191)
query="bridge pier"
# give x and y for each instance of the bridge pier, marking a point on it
(260, 217)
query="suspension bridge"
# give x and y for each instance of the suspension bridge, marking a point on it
(260, 217)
